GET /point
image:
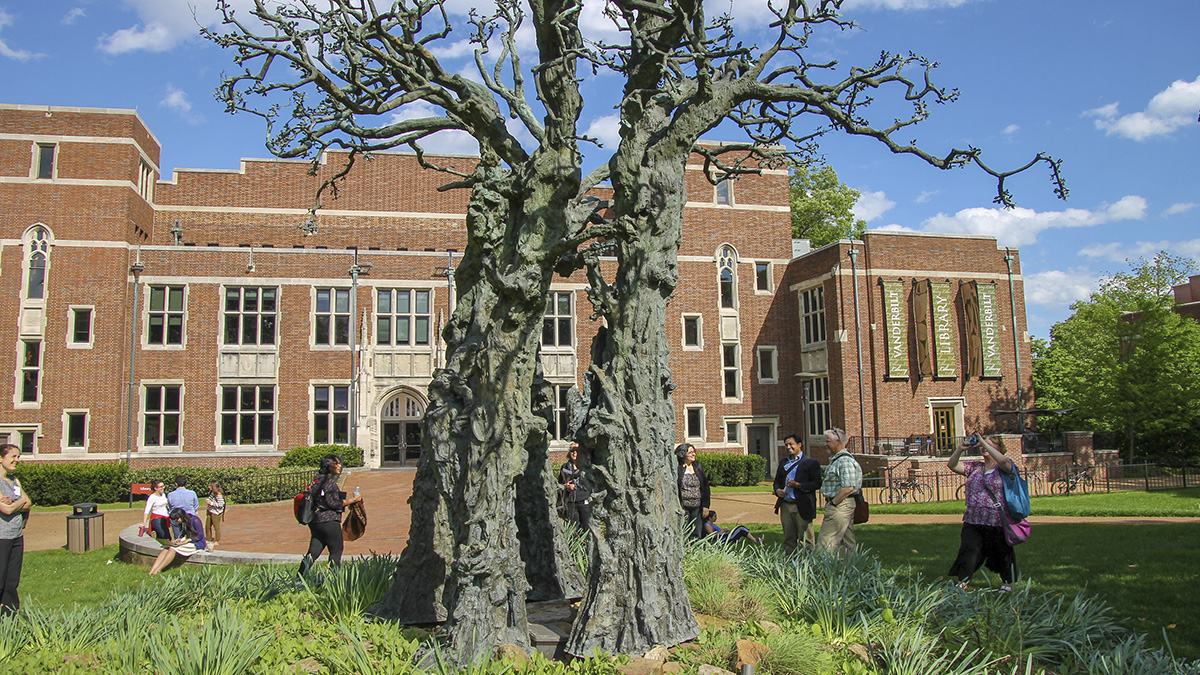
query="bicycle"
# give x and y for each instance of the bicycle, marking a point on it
(1074, 481)
(902, 490)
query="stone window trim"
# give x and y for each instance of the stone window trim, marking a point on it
(261, 306)
(325, 304)
(70, 418)
(38, 243)
(76, 313)
(166, 312)
(43, 163)
(693, 417)
(558, 323)
(731, 372)
(260, 409)
(24, 436)
(558, 408)
(27, 389)
(698, 320)
(723, 192)
(326, 405)
(418, 319)
(819, 411)
(811, 303)
(771, 352)
(727, 278)
(764, 277)
(163, 411)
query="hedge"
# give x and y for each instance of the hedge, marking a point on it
(57, 483)
(310, 455)
(724, 469)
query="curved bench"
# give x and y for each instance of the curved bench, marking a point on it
(144, 549)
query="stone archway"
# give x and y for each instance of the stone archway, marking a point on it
(400, 428)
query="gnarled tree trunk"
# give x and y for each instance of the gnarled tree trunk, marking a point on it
(636, 595)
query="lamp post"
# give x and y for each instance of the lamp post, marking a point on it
(136, 268)
(355, 270)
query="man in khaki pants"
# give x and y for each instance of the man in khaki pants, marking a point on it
(843, 478)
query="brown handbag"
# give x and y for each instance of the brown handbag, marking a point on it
(862, 510)
(355, 522)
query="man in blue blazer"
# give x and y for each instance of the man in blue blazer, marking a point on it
(796, 483)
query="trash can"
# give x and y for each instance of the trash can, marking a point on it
(85, 529)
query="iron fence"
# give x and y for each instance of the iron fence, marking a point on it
(889, 486)
(257, 489)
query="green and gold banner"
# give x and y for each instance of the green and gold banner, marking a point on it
(943, 329)
(989, 329)
(895, 328)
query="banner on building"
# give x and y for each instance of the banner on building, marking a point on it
(895, 328)
(942, 298)
(920, 318)
(970, 313)
(989, 330)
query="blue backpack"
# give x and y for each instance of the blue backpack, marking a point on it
(1016, 494)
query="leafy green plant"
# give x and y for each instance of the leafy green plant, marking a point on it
(795, 653)
(71, 631)
(726, 469)
(350, 588)
(13, 639)
(310, 455)
(224, 644)
(377, 648)
(74, 482)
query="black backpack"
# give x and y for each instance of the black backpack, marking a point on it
(304, 505)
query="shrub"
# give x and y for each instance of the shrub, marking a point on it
(310, 455)
(244, 485)
(725, 469)
(74, 482)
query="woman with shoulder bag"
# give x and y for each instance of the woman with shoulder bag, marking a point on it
(982, 540)
(326, 525)
(694, 493)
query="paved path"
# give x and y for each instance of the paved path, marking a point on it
(271, 528)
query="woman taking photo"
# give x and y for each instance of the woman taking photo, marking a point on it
(982, 540)
(14, 504)
(328, 504)
(154, 518)
(694, 494)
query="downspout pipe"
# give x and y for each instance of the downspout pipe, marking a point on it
(1012, 298)
(862, 406)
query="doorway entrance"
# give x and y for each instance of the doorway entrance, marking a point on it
(945, 431)
(400, 421)
(760, 438)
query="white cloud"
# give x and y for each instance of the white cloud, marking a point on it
(1121, 252)
(73, 15)
(871, 205)
(164, 25)
(1011, 129)
(1020, 226)
(606, 129)
(6, 20)
(926, 195)
(177, 101)
(443, 142)
(1170, 109)
(1181, 207)
(1058, 288)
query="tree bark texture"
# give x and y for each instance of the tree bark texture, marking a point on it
(636, 596)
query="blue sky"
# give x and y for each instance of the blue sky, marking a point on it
(1110, 87)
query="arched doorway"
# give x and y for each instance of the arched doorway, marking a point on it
(401, 425)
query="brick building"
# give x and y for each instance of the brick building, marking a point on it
(192, 320)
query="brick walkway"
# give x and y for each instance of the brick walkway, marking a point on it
(271, 528)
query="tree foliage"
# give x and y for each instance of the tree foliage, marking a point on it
(1128, 362)
(822, 205)
(366, 76)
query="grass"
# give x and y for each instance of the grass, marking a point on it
(59, 578)
(1145, 571)
(1133, 504)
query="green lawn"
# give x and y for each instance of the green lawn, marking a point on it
(1144, 571)
(1159, 503)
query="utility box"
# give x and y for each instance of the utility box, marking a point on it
(85, 529)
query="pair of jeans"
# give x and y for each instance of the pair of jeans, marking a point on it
(327, 535)
(12, 553)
